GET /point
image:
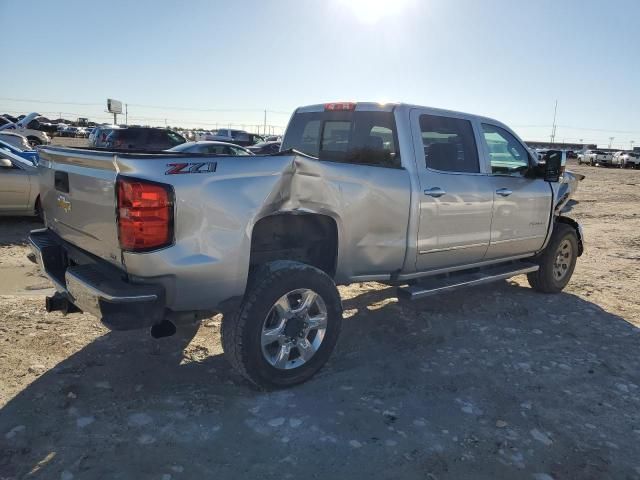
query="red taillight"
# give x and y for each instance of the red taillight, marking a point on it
(339, 106)
(145, 215)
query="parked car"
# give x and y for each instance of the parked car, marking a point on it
(98, 137)
(15, 139)
(596, 157)
(61, 129)
(8, 117)
(143, 138)
(626, 159)
(237, 137)
(19, 188)
(273, 138)
(394, 193)
(29, 155)
(71, 131)
(35, 137)
(216, 148)
(265, 148)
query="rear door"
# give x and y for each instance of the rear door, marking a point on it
(522, 205)
(359, 169)
(456, 197)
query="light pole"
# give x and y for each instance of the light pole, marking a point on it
(610, 141)
(631, 145)
(553, 129)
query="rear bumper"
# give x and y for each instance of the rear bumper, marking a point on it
(95, 286)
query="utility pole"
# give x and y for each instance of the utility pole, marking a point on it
(126, 114)
(553, 129)
(631, 145)
(264, 128)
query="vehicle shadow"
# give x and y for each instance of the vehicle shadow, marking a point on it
(494, 382)
(16, 229)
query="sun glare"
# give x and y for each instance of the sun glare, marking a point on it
(373, 11)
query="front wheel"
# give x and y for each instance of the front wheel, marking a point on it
(287, 326)
(557, 261)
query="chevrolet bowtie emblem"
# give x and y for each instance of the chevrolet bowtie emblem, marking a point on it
(64, 204)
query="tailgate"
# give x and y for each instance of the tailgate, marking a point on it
(77, 192)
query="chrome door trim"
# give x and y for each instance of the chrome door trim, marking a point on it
(520, 239)
(457, 247)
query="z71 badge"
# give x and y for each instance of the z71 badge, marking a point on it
(195, 167)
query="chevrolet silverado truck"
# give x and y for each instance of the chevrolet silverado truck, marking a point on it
(424, 199)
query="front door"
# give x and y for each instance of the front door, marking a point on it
(456, 198)
(522, 205)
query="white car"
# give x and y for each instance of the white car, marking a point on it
(15, 140)
(35, 137)
(626, 159)
(596, 157)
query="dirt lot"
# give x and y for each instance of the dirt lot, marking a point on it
(493, 382)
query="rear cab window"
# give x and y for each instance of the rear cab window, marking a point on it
(354, 137)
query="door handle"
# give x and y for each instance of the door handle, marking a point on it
(504, 192)
(435, 192)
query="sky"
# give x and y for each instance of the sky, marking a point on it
(209, 63)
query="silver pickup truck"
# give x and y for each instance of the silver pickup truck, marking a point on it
(427, 200)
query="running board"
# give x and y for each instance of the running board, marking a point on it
(439, 284)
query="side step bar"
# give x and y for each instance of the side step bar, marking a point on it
(439, 284)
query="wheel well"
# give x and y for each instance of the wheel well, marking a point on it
(306, 238)
(571, 222)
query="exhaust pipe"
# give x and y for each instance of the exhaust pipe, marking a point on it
(60, 303)
(163, 329)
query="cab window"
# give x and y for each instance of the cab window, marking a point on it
(508, 156)
(449, 144)
(354, 137)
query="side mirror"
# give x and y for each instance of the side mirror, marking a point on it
(554, 162)
(5, 163)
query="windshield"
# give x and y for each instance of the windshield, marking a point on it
(367, 138)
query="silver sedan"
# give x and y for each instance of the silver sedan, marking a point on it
(211, 147)
(19, 188)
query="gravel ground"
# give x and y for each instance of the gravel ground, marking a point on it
(492, 382)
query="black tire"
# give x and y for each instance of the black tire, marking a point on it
(242, 330)
(38, 209)
(34, 141)
(544, 280)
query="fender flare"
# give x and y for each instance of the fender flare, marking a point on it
(577, 227)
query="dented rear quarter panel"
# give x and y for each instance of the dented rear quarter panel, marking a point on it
(215, 214)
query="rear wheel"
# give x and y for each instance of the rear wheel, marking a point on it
(286, 327)
(34, 141)
(557, 261)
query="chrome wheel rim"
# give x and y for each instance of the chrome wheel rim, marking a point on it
(294, 329)
(562, 261)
